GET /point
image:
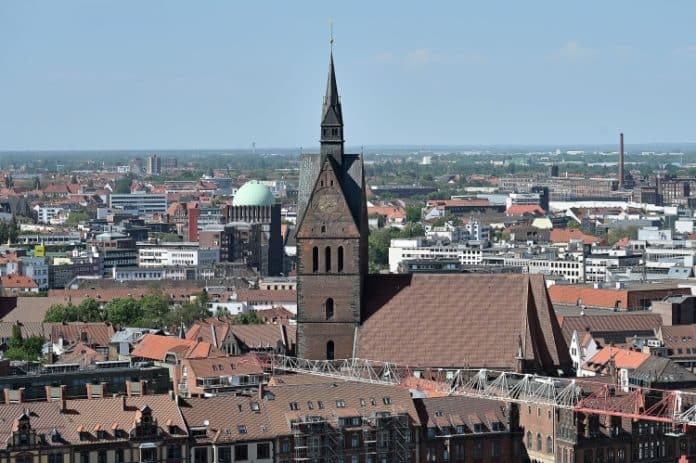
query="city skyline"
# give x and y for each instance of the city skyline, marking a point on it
(125, 75)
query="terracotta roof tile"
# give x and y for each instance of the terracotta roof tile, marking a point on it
(461, 320)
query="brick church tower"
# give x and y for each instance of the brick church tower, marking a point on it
(331, 240)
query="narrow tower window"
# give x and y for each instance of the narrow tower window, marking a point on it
(330, 350)
(340, 259)
(315, 259)
(327, 259)
(329, 308)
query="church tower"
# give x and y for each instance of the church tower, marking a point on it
(331, 240)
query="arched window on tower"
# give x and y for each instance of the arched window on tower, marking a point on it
(330, 350)
(315, 259)
(339, 262)
(327, 259)
(329, 306)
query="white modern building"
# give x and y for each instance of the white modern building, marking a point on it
(176, 255)
(418, 248)
(139, 203)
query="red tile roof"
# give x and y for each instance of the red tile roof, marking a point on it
(565, 235)
(522, 209)
(623, 358)
(17, 282)
(155, 347)
(461, 320)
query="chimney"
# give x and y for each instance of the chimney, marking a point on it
(124, 402)
(14, 396)
(96, 391)
(262, 389)
(55, 393)
(621, 161)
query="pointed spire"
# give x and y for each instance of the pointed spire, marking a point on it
(332, 103)
(331, 115)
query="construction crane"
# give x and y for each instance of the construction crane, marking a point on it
(580, 395)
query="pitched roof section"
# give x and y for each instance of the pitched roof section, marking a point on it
(155, 347)
(623, 358)
(565, 235)
(621, 325)
(461, 320)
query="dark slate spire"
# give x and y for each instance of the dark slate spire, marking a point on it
(332, 114)
(332, 117)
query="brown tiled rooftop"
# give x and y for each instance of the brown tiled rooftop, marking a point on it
(426, 320)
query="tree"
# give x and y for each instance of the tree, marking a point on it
(615, 235)
(23, 349)
(87, 311)
(76, 217)
(123, 184)
(247, 318)
(413, 214)
(123, 311)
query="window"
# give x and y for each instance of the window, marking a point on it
(119, 456)
(225, 454)
(355, 440)
(327, 259)
(340, 259)
(529, 440)
(386, 400)
(330, 350)
(55, 458)
(310, 405)
(101, 456)
(148, 455)
(496, 449)
(263, 450)
(549, 444)
(241, 428)
(329, 306)
(538, 446)
(84, 457)
(320, 404)
(241, 452)
(174, 452)
(315, 259)
(478, 450)
(200, 455)
(294, 406)
(340, 403)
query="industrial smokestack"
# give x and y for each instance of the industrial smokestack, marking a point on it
(621, 161)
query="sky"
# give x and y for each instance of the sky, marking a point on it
(171, 74)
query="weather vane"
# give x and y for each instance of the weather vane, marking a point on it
(331, 37)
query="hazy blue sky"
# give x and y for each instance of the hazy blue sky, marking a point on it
(213, 74)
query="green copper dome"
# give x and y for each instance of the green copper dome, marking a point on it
(253, 193)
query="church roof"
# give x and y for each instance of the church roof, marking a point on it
(457, 320)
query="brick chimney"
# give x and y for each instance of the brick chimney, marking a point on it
(14, 396)
(96, 391)
(54, 393)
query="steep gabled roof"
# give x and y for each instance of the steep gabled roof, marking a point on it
(427, 320)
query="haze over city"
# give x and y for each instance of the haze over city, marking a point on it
(157, 75)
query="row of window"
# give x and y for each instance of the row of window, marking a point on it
(327, 259)
(539, 441)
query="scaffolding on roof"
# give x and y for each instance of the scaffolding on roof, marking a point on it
(580, 395)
